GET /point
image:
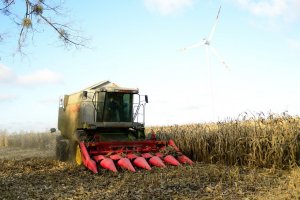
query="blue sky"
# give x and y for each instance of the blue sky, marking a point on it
(136, 44)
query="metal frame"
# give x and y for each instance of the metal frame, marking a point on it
(104, 148)
(141, 103)
(127, 154)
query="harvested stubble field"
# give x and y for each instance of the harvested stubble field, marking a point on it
(46, 178)
(215, 176)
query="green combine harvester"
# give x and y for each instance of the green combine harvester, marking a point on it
(104, 126)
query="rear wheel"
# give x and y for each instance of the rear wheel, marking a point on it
(62, 148)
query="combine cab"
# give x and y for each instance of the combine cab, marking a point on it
(103, 126)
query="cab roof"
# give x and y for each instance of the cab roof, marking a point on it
(107, 86)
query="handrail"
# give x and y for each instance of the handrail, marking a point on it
(136, 112)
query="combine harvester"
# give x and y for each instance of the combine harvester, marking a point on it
(103, 126)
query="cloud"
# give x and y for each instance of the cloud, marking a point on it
(167, 7)
(269, 8)
(286, 9)
(6, 75)
(40, 77)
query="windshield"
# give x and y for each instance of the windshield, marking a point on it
(118, 107)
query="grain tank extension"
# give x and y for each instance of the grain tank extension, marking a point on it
(102, 126)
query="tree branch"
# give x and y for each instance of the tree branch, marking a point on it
(62, 33)
(8, 5)
(33, 12)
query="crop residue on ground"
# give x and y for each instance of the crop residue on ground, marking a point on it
(46, 178)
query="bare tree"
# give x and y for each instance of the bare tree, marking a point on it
(35, 13)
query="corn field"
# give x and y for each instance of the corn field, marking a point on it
(262, 141)
(43, 141)
(3, 139)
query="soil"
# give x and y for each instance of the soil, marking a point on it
(35, 174)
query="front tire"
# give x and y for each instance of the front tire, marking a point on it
(68, 150)
(78, 158)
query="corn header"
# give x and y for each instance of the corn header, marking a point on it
(103, 126)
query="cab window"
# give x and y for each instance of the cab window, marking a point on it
(118, 107)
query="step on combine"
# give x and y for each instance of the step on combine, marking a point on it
(103, 126)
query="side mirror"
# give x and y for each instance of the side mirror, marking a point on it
(52, 130)
(146, 98)
(84, 94)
